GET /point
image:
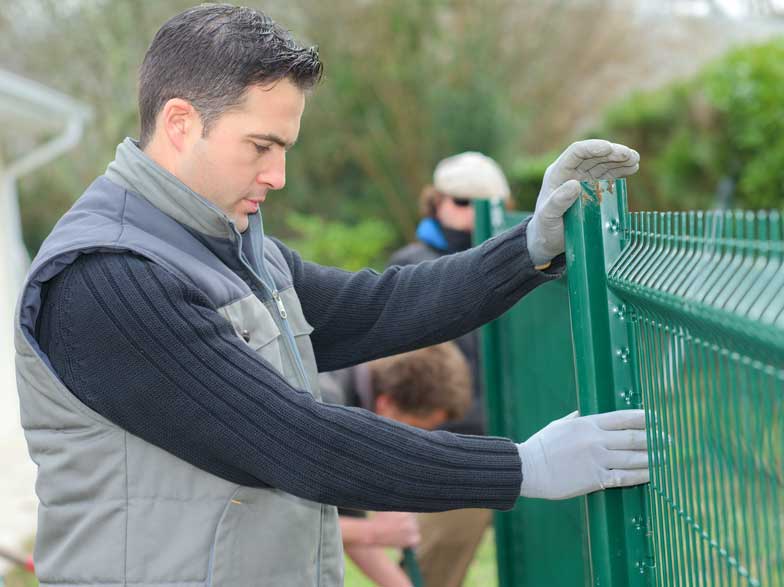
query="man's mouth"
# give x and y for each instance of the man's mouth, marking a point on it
(251, 205)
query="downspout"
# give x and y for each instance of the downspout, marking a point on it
(33, 160)
(28, 100)
(51, 150)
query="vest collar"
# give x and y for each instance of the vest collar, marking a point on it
(135, 171)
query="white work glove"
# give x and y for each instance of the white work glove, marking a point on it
(585, 160)
(577, 455)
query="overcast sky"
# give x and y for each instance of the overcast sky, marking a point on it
(733, 8)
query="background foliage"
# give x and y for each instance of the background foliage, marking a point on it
(409, 82)
(715, 140)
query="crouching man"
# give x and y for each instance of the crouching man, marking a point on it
(423, 388)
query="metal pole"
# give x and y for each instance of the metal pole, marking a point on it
(603, 367)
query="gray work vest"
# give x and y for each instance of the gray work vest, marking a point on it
(117, 510)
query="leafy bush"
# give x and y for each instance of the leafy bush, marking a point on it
(525, 176)
(722, 130)
(350, 247)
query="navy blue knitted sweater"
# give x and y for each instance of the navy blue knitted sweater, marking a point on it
(118, 329)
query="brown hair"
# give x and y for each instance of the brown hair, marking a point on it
(429, 199)
(425, 380)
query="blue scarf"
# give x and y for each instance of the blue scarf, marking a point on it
(430, 232)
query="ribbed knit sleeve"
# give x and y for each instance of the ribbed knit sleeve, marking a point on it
(150, 353)
(362, 316)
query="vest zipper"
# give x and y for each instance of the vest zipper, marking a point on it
(290, 345)
(268, 284)
(279, 302)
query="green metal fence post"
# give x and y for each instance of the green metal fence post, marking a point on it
(603, 365)
(527, 385)
(490, 340)
(411, 567)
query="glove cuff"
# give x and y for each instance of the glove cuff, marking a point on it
(539, 258)
(531, 459)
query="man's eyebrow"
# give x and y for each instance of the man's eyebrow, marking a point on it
(272, 137)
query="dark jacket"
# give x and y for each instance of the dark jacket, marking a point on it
(434, 242)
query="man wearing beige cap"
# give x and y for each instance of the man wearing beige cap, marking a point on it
(445, 206)
(450, 539)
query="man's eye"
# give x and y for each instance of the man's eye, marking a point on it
(261, 148)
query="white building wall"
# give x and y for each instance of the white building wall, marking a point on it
(17, 472)
(51, 123)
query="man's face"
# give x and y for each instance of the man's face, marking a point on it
(385, 406)
(457, 214)
(244, 154)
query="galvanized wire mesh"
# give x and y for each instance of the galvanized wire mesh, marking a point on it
(704, 296)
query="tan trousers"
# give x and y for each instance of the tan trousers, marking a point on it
(449, 542)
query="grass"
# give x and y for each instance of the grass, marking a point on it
(19, 578)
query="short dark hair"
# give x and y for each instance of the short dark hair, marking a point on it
(210, 54)
(425, 380)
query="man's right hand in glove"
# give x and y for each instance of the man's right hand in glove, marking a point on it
(578, 455)
(585, 160)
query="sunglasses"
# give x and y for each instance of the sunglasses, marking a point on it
(461, 202)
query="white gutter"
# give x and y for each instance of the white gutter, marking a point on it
(22, 97)
(20, 94)
(52, 149)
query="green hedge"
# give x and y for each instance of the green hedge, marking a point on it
(723, 128)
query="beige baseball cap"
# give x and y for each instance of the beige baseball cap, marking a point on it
(471, 176)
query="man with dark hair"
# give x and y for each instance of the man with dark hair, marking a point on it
(167, 351)
(210, 56)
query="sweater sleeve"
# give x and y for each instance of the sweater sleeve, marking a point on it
(151, 354)
(362, 316)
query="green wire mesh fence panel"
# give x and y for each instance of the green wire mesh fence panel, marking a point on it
(529, 381)
(684, 313)
(704, 295)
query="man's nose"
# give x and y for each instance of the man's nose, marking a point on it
(274, 174)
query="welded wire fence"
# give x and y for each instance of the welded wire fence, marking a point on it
(704, 293)
(679, 313)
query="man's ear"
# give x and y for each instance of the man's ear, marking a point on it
(180, 122)
(384, 406)
(436, 418)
